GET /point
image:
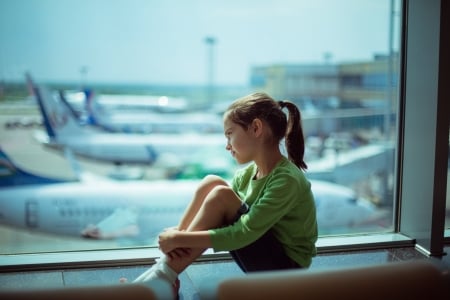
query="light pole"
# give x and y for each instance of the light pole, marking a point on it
(83, 74)
(210, 42)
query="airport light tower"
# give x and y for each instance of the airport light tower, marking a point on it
(210, 43)
(83, 75)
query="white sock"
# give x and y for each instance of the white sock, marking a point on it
(160, 270)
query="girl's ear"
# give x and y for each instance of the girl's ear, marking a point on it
(256, 127)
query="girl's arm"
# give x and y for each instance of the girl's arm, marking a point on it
(172, 239)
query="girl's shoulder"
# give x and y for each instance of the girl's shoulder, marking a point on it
(288, 171)
(288, 168)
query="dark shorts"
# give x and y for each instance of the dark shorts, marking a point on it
(265, 254)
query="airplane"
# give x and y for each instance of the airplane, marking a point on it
(148, 123)
(139, 210)
(85, 99)
(67, 207)
(139, 114)
(133, 103)
(64, 132)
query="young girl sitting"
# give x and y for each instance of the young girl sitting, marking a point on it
(266, 216)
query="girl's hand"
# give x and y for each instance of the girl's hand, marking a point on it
(179, 253)
(168, 246)
(166, 240)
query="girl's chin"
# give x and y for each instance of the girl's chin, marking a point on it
(237, 159)
(240, 161)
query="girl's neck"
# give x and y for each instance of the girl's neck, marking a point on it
(266, 165)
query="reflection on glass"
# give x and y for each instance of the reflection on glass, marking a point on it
(106, 147)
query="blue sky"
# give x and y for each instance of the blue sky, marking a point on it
(162, 42)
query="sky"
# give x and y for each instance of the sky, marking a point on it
(163, 41)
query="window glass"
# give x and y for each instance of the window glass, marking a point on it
(447, 206)
(112, 111)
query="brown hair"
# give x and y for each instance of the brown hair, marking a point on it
(260, 105)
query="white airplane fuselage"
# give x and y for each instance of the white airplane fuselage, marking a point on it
(67, 208)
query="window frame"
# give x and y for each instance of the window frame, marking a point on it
(421, 158)
(424, 132)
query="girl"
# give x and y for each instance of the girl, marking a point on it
(266, 217)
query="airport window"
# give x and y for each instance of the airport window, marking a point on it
(447, 196)
(165, 71)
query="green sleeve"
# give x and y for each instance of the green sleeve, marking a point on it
(276, 199)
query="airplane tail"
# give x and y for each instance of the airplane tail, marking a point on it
(45, 117)
(86, 114)
(60, 119)
(30, 84)
(13, 175)
(92, 112)
(89, 107)
(68, 106)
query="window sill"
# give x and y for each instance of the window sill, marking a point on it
(146, 256)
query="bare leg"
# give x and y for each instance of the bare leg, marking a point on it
(214, 205)
(218, 208)
(207, 184)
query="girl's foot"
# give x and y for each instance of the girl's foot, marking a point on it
(175, 286)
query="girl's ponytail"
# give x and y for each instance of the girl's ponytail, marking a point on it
(294, 138)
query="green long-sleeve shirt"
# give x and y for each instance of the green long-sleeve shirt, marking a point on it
(282, 201)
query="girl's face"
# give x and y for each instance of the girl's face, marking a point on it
(240, 142)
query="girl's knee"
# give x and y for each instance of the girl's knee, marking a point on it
(221, 190)
(207, 184)
(224, 196)
(214, 180)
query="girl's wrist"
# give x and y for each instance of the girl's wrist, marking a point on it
(177, 239)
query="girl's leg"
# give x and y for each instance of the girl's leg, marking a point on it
(219, 207)
(214, 205)
(205, 186)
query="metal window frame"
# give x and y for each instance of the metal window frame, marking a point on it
(421, 161)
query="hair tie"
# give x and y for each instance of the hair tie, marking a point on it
(281, 104)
